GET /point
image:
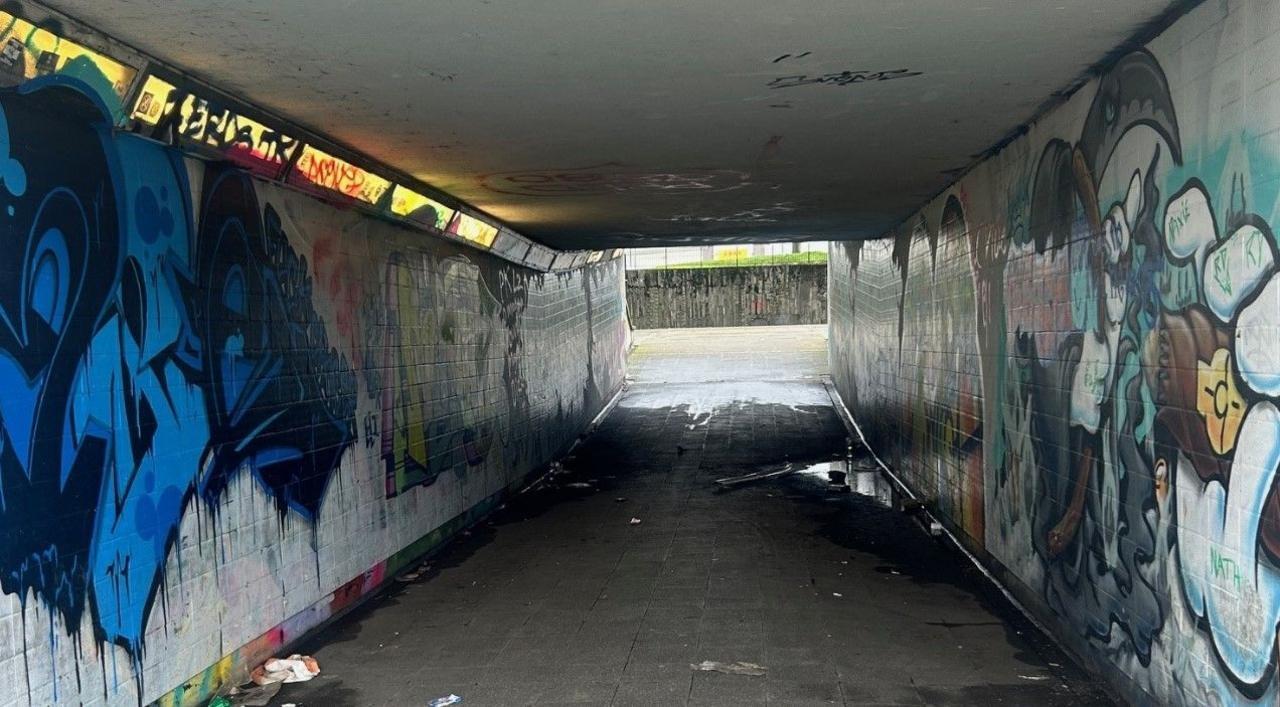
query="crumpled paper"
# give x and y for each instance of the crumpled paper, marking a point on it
(295, 668)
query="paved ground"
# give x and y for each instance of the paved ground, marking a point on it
(562, 600)
(776, 353)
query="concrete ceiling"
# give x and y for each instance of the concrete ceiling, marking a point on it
(597, 123)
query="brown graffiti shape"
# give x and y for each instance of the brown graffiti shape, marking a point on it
(1062, 533)
(1174, 352)
(1065, 529)
(1088, 195)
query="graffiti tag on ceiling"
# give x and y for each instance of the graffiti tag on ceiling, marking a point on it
(763, 214)
(841, 78)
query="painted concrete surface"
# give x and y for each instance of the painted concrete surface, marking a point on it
(761, 295)
(562, 600)
(1074, 356)
(720, 354)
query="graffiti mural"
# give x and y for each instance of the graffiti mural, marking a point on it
(145, 359)
(429, 425)
(204, 375)
(1084, 378)
(936, 349)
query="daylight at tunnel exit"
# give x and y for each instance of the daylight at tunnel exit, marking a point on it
(639, 352)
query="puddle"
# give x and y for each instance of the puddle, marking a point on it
(708, 398)
(859, 478)
(835, 480)
(701, 419)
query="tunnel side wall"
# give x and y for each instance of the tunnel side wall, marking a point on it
(1073, 355)
(731, 296)
(230, 410)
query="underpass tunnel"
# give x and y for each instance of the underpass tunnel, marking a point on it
(620, 353)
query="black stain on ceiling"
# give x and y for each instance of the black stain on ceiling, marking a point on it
(842, 78)
(789, 56)
(769, 150)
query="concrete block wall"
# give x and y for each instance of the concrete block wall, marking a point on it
(228, 410)
(1073, 354)
(729, 296)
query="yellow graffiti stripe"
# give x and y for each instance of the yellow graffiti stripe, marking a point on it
(42, 52)
(210, 125)
(406, 202)
(334, 173)
(152, 100)
(200, 688)
(223, 129)
(475, 230)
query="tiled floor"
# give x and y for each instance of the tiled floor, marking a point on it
(562, 600)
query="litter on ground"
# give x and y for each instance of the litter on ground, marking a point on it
(735, 668)
(731, 481)
(414, 574)
(295, 668)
